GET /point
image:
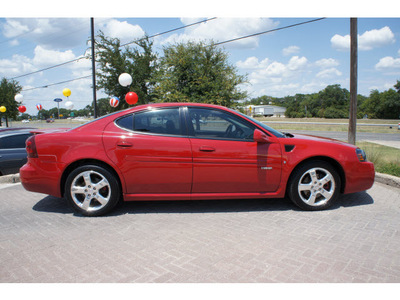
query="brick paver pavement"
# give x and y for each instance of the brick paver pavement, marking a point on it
(358, 240)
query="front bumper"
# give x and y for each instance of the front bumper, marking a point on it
(360, 177)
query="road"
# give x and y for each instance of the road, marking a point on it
(361, 136)
(358, 240)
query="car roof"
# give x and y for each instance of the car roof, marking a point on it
(8, 129)
(15, 132)
(166, 104)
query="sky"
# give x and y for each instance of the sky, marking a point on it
(301, 59)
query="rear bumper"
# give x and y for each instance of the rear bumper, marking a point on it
(360, 177)
(41, 177)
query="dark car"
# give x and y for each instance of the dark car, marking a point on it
(12, 150)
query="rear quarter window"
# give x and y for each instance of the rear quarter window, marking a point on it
(14, 141)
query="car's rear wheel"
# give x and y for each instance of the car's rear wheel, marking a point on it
(314, 186)
(92, 190)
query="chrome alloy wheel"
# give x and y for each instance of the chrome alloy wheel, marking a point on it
(316, 186)
(90, 191)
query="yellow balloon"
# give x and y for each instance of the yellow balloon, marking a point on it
(66, 92)
(3, 109)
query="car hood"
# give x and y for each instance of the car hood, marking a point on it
(314, 138)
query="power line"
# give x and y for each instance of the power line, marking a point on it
(50, 37)
(48, 68)
(135, 41)
(219, 43)
(47, 85)
(168, 31)
(268, 31)
(17, 36)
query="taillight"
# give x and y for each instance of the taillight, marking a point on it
(31, 147)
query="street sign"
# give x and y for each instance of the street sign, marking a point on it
(57, 100)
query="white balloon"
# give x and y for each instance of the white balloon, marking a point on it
(125, 79)
(18, 97)
(69, 105)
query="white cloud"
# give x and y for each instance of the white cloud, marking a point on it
(13, 28)
(16, 65)
(388, 63)
(376, 38)
(274, 78)
(14, 42)
(274, 69)
(54, 33)
(327, 63)
(296, 63)
(223, 29)
(45, 57)
(341, 43)
(252, 63)
(367, 41)
(290, 50)
(329, 73)
(123, 30)
(265, 68)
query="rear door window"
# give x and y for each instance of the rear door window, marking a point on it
(158, 121)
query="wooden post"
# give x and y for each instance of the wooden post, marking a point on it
(93, 67)
(353, 81)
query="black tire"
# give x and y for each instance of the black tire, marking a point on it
(92, 190)
(314, 186)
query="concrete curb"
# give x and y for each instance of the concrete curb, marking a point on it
(379, 177)
(387, 179)
(13, 178)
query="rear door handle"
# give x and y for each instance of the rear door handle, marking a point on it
(207, 149)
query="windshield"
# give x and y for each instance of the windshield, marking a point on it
(269, 129)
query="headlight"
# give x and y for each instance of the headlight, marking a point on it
(361, 155)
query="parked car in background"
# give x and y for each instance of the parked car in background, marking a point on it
(12, 150)
(189, 151)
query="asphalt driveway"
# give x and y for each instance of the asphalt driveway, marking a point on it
(358, 240)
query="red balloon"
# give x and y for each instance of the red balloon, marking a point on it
(131, 98)
(22, 109)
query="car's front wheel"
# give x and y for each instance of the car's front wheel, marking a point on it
(92, 190)
(314, 186)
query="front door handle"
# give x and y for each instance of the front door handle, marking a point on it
(124, 144)
(207, 149)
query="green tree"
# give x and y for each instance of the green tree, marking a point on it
(385, 105)
(391, 104)
(8, 90)
(397, 86)
(196, 72)
(103, 106)
(113, 60)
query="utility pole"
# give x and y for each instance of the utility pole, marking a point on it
(353, 81)
(93, 69)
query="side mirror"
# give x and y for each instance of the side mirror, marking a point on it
(260, 137)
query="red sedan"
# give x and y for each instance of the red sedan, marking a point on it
(183, 151)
